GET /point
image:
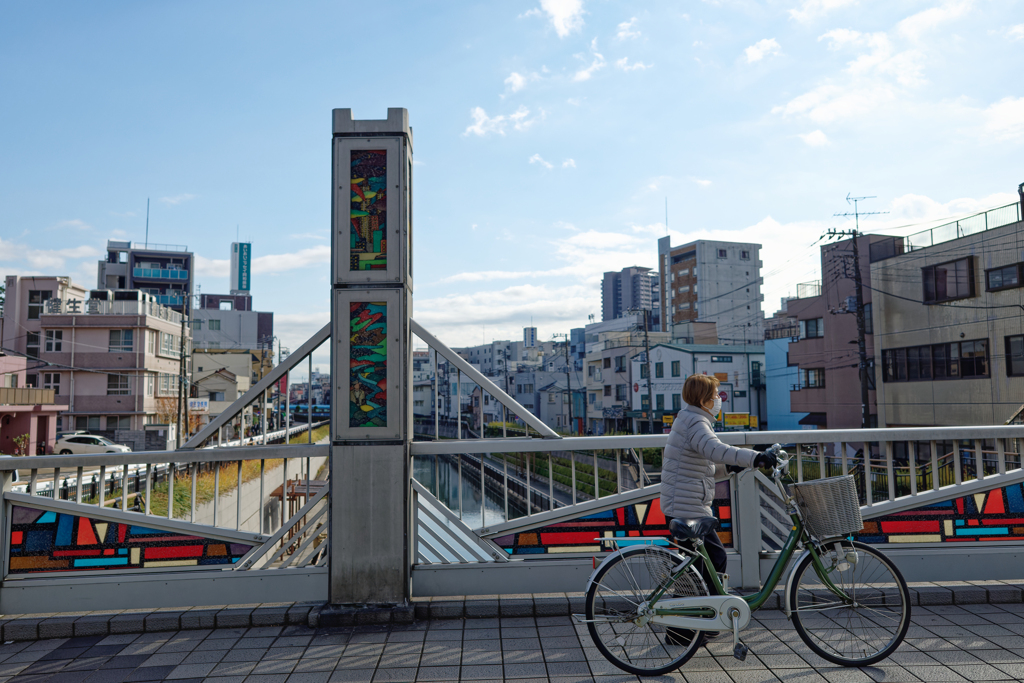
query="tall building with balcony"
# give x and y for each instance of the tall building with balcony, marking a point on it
(627, 290)
(164, 271)
(712, 281)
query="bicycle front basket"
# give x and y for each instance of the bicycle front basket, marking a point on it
(830, 506)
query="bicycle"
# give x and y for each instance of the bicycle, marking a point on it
(848, 602)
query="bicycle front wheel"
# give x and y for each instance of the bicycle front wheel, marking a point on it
(613, 600)
(866, 620)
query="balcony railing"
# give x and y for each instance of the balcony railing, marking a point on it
(26, 396)
(156, 309)
(160, 273)
(979, 222)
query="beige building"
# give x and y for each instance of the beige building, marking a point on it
(949, 332)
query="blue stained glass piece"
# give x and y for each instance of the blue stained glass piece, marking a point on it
(982, 531)
(1015, 497)
(146, 531)
(122, 551)
(38, 541)
(607, 514)
(64, 528)
(47, 518)
(101, 561)
(529, 551)
(944, 504)
(960, 522)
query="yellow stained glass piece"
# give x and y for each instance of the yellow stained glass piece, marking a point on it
(366, 409)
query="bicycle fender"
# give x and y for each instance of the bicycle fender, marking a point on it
(789, 583)
(599, 567)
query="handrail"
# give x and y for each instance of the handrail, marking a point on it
(273, 452)
(272, 377)
(485, 384)
(812, 436)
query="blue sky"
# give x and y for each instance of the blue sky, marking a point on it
(548, 135)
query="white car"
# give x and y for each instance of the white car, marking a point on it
(84, 444)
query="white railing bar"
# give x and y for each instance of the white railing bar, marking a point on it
(33, 481)
(273, 452)
(483, 486)
(551, 486)
(979, 460)
(822, 472)
(572, 462)
(425, 537)
(504, 461)
(238, 496)
(434, 507)
(945, 493)
(580, 443)
(1001, 456)
(78, 491)
(309, 398)
(912, 450)
(799, 465)
(263, 497)
(273, 376)
(297, 538)
(103, 485)
(192, 513)
(284, 492)
(449, 541)
(149, 484)
(216, 492)
(170, 490)
(485, 384)
(301, 557)
(890, 470)
(279, 534)
(846, 464)
(597, 479)
(768, 532)
(935, 465)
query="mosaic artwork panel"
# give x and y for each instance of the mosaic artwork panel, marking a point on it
(638, 520)
(996, 515)
(368, 248)
(368, 359)
(48, 541)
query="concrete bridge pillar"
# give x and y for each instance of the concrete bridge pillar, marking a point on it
(371, 423)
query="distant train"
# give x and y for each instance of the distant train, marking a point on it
(320, 412)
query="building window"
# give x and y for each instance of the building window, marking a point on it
(551, 397)
(869, 326)
(607, 363)
(32, 381)
(607, 389)
(643, 371)
(592, 398)
(621, 392)
(119, 422)
(939, 361)
(150, 380)
(659, 401)
(10, 381)
(120, 341)
(675, 368)
(87, 423)
(948, 281)
(644, 403)
(219, 396)
(722, 253)
(659, 370)
(677, 402)
(620, 363)
(1006, 277)
(811, 329)
(1015, 356)
(32, 344)
(684, 306)
(54, 340)
(684, 272)
(745, 255)
(721, 359)
(683, 290)
(151, 342)
(168, 344)
(51, 380)
(117, 385)
(36, 299)
(812, 378)
(214, 326)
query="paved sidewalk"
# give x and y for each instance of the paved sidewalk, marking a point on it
(981, 642)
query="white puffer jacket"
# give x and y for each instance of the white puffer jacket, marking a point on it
(688, 464)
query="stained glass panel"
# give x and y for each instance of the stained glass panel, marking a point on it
(48, 541)
(368, 249)
(368, 359)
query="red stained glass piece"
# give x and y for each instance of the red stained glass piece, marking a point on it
(654, 514)
(17, 537)
(86, 535)
(174, 552)
(994, 505)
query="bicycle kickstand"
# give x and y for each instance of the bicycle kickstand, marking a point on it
(739, 650)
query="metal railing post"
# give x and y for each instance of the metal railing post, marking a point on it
(747, 518)
(935, 466)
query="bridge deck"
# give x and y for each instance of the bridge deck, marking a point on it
(945, 643)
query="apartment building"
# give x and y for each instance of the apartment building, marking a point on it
(712, 281)
(738, 368)
(626, 291)
(947, 317)
(164, 271)
(823, 321)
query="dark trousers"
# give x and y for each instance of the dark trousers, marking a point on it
(716, 551)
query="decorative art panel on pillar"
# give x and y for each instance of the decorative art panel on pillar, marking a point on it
(50, 541)
(368, 360)
(368, 215)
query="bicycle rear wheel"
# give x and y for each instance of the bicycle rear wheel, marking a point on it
(613, 598)
(864, 625)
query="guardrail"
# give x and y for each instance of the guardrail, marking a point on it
(962, 227)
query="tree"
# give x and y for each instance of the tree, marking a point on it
(167, 410)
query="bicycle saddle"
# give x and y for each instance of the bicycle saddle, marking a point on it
(692, 529)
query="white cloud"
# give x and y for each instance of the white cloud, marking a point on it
(1004, 120)
(569, 163)
(698, 181)
(626, 30)
(73, 224)
(761, 49)
(916, 25)
(309, 236)
(1015, 32)
(566, 15)
(574, 101)
(483, 124)
(280, 263)
(538, 159)
(515, 82)
(178, 199)
(46, 261)
(597, 64)
(635, 66)
(815, 138)
(209, 267)
(810, 10)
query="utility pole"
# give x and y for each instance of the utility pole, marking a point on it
(859, 290)
(568, 382)
(650, 376)
(182, 423)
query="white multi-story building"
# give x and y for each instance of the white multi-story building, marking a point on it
(711, 281)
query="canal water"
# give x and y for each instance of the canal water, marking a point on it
(441, 478)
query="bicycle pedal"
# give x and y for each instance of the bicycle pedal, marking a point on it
(739, 651)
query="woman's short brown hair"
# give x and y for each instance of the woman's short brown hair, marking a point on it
(699, 389)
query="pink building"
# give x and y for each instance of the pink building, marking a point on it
(25, 409)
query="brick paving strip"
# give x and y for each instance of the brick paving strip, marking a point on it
(961, 632)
